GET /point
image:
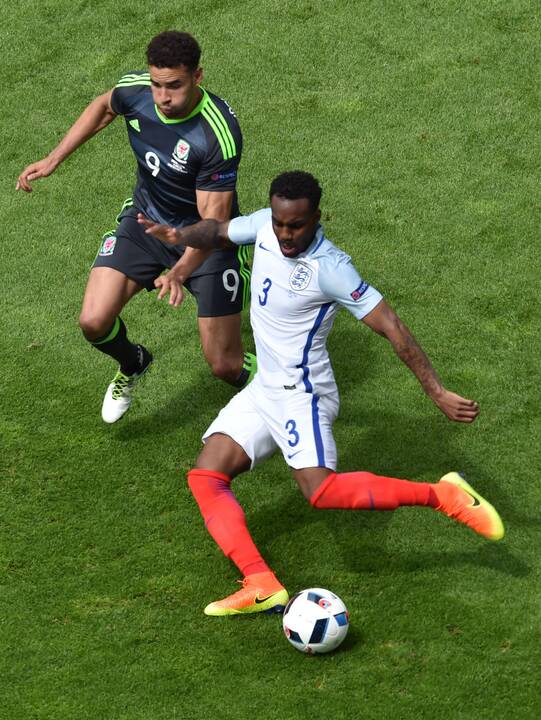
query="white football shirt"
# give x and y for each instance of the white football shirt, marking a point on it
(294, 303)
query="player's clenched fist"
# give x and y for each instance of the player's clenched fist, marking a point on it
(456, 407)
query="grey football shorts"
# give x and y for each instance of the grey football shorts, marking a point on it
(220, 285)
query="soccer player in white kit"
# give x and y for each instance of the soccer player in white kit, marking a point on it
(299, 281)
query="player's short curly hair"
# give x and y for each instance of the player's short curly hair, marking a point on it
(172, 48)
(297, 184)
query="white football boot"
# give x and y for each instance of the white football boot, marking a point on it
(118, 397)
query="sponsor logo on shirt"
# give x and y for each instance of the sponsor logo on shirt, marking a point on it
(179, 157)
(357, 294)
(107, 246)
(300, 277)
(217, 177)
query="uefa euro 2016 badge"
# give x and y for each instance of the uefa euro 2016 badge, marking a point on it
(359, 292)
(107, 245)
(300, 277)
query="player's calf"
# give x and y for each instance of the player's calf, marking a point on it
(452, 495)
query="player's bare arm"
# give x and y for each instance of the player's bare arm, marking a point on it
(204, 235)
(94, 118)
(383, 320)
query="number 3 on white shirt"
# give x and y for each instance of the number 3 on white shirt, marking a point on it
(267, 282)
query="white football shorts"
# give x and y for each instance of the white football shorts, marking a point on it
(296, 422)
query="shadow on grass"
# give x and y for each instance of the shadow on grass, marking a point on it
(360, 538)
(421, 449)
(184, 409)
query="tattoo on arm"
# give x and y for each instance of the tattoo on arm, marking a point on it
(412, 355)
(204, 235)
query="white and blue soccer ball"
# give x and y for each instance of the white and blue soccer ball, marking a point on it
(315, 621)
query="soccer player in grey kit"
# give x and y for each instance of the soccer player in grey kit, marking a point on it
(187, 143)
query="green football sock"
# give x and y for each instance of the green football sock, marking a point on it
(249, 369)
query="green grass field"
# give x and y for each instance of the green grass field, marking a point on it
(421, 120)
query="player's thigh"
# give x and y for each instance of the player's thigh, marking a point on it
(220, 337)
(242, 421)
(222, 286)
(301, 425)
(107, 291)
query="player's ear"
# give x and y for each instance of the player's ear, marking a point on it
(198, 76)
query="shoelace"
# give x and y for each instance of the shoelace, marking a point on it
(121, 383)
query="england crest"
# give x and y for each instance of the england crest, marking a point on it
(300, 277)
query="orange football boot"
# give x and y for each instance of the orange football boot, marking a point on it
(260, 592)
(461, 502)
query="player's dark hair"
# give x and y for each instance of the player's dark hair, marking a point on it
(171, 48)
(297, 184)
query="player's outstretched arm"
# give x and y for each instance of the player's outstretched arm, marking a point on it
(383, 320)
(93, 119)
(204, 235)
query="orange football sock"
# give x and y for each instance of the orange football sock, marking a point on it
(225, 519)
(366, 491)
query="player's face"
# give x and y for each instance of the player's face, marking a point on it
(175, 90)
(294, 223)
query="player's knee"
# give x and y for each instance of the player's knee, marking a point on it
(307, 493)
(225, 369)
(310, 482)
(92, 325)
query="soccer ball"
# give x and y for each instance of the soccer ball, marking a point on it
(315, 621)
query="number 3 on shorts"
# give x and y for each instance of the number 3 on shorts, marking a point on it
(291, 427)
(232, 287)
